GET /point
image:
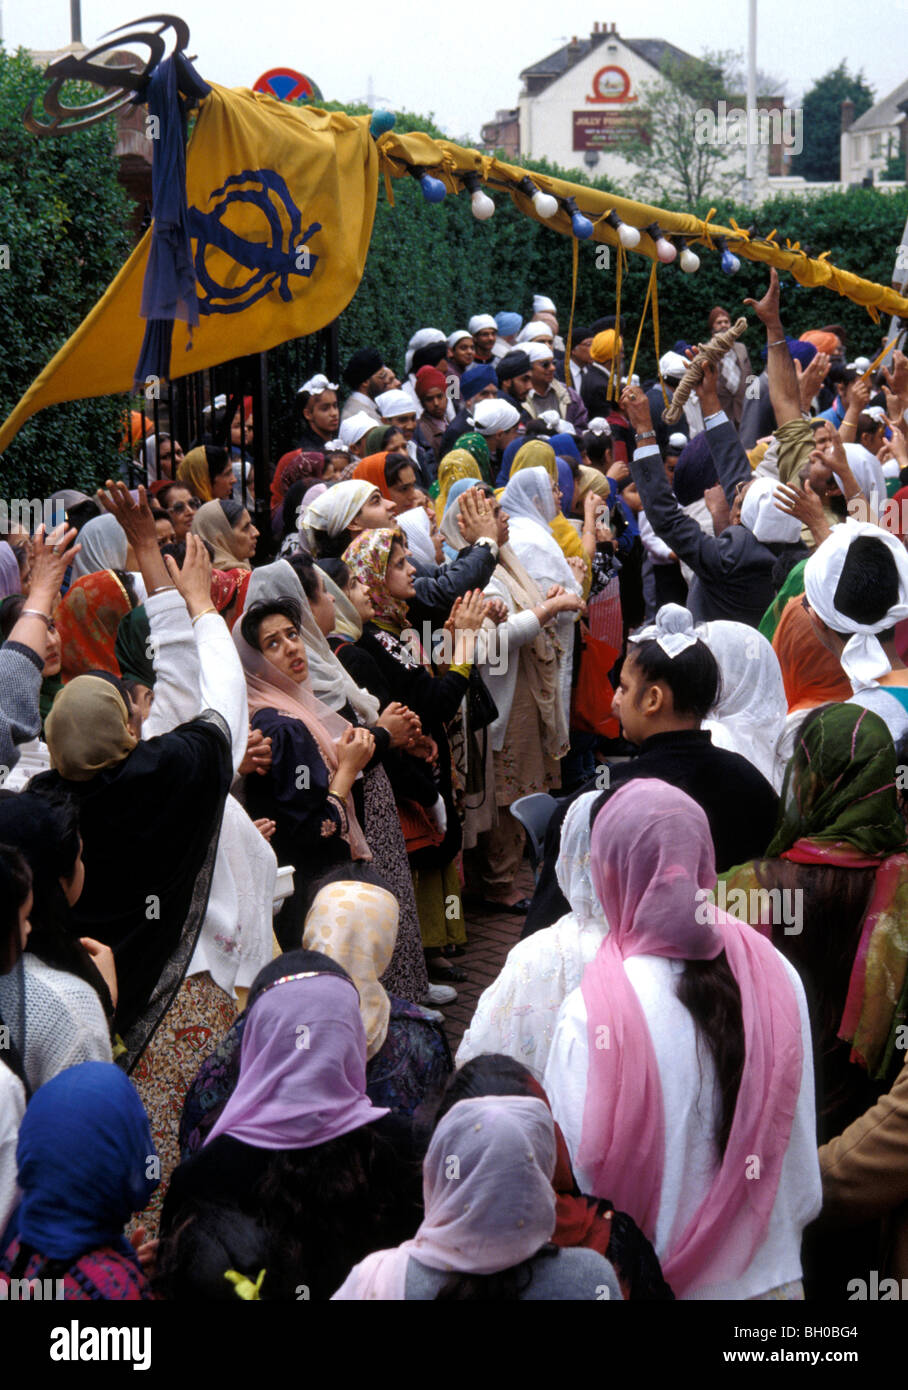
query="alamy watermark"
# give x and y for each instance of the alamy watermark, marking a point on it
(736, 127)
(776, 907)
(28, 513)
(441, 645)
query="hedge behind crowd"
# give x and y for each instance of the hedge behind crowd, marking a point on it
(64, 233)
(64, 217)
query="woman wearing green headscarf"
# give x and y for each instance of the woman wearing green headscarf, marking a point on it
(839, 859)
(476, 445)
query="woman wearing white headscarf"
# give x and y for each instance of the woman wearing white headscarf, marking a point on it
(417, 528)
(750, 713)
(520, 661)
(516, 1015)
(326, 519)
(529, 501)
(488, 1224)
(104, 547)
(406, 975)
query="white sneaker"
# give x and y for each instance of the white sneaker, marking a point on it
(439, 994)
(433, 1015)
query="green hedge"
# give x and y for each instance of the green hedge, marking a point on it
(63, 216)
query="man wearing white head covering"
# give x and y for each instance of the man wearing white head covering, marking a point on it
(548, 393)
(422, 338)
(498, 422)
(536, 332)
(856, 584)
(672, 367)
(544, 311)
(484, 330)
(399, 408)
(353, 431)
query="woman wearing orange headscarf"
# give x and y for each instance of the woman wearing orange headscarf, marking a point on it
(87, 620)
(811, 674)
(372, 470)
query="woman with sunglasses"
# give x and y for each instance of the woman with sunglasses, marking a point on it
(181, 506)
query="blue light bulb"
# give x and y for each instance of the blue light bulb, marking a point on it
(730, 263)
(433, 190)
(381, 122)
(583, 227)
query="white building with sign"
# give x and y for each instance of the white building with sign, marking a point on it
(577, 102)
(578, 105)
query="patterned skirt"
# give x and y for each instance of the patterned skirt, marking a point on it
(406, 975)
(193, 1026)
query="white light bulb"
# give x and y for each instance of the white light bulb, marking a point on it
(545, 205)
(628, 236)
(689, 261)
(482, 205)
(666, 250)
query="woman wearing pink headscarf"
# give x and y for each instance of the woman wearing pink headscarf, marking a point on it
(681, 1069)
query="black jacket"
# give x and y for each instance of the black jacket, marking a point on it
(740, 805)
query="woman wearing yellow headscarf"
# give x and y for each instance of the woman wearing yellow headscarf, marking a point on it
(207, 472)
(454, 466)
(537, 454)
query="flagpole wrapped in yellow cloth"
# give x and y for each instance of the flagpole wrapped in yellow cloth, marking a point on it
(446, 161)
(281, 202)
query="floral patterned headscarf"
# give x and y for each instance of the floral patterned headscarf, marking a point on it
(367, 560)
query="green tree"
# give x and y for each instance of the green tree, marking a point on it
(822, 107)
(63, 227)
(678, 150)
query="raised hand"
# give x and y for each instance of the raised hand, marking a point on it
(194, 579)
(470, 611)
(51, 556)
(768, 309)
(135, 517)
(475, 517)
(636, 407)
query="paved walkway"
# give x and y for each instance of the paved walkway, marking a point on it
(489, 938)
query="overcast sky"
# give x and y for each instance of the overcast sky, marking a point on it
(462, 64)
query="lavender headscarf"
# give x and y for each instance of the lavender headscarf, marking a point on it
(302, 1075)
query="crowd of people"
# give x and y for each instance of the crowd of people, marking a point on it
(256, 787)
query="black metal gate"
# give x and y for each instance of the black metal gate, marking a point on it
(190, 411)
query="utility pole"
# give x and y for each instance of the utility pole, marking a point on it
(75, 20)
(750, 166)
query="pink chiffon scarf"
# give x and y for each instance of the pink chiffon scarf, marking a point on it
(652, 859)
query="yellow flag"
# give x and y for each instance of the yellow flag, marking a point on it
(281, 205)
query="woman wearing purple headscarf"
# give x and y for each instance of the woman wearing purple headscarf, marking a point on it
(292, 1146)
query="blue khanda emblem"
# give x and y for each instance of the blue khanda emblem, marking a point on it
(270, 262)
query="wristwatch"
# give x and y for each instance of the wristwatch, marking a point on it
(647, 434)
